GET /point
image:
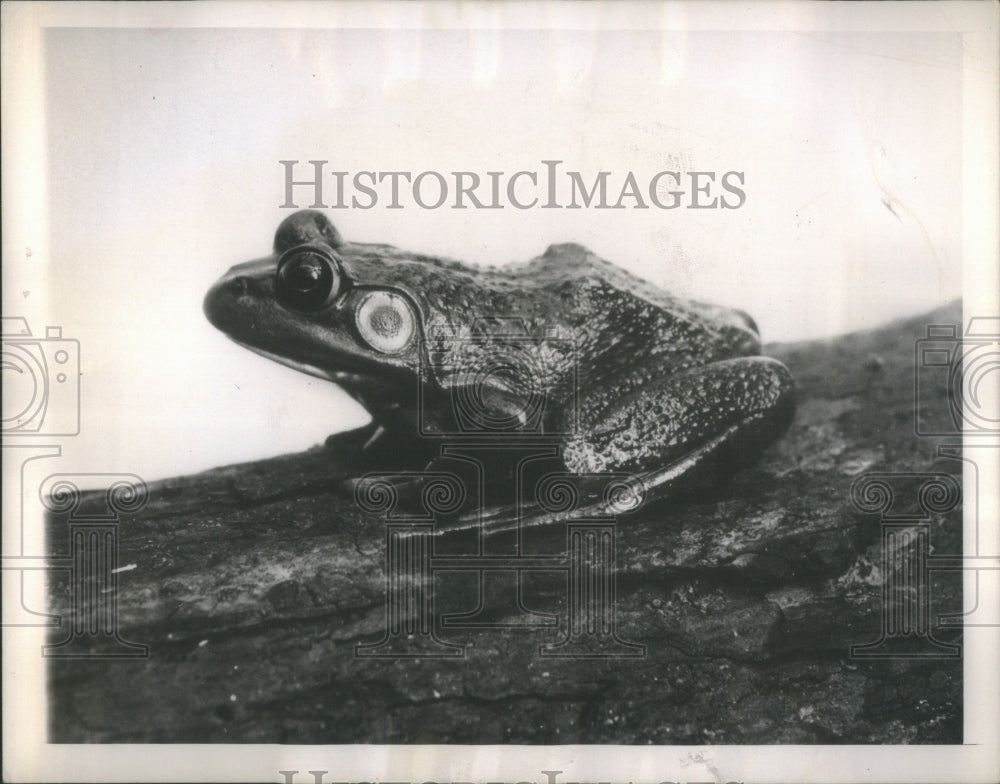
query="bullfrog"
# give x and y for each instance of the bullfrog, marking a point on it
(622, 376)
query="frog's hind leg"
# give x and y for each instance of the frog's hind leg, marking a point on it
(679, 431)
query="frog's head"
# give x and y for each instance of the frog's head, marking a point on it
(314, 305)
(378, 321)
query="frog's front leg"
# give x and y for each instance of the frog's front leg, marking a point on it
(373, 447)
(672, 430)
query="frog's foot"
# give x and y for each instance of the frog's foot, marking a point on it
(352, 440)
(399, 464)
(375, 448)
(690, 427)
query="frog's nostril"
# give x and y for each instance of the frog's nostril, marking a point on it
(244, 285)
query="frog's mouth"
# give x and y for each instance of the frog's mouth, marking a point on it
(337, 376)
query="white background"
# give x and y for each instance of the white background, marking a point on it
(159, 158)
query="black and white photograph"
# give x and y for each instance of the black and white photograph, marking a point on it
(476, 392)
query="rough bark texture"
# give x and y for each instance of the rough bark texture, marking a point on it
(254, 583)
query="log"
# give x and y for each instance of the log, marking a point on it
(253, 586)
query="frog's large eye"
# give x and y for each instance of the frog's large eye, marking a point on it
(307, 278)
(385, 320)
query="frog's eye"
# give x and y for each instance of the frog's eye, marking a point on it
(307, 278)
(385, 320)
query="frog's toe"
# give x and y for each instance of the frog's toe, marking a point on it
(372, 448)
(351, 440)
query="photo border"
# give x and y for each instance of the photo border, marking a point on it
(26, 755)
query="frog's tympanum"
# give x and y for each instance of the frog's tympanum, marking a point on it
(624, 377)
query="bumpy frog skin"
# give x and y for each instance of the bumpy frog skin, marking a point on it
(633, 379)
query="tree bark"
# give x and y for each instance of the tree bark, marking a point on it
(254, 584)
